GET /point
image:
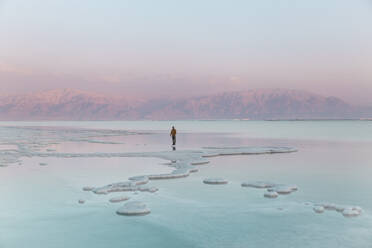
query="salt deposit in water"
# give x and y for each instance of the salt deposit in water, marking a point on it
(352, 212)
(271, 195)
(215, 181)
(258, 184)
(119, 199)
(318, 209)
(346, 211)
(283, 189)
(147, 189)
(273, 189)
(123, 187)
(115, 187)
(178, 173)
(88, 188)
(223, 151)
(133, 208)
(139, 180)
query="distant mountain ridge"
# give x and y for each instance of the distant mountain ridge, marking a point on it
(69, 104)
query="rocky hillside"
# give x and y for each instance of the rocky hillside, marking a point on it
(70, 104)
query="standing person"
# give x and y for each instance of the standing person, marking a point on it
(173, 133)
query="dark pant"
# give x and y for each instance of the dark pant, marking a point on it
(174, 140)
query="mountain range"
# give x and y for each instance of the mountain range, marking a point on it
(70, 104)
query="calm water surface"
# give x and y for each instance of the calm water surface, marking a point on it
(334, 164)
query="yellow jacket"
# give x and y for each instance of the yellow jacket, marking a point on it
(173, 132)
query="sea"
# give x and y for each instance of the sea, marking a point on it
(44, 167)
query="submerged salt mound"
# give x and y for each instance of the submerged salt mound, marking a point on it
(210, 154)
(185, 165)
(133, 208)
(224, 151)
(258, 184)
(147, 189)
(273, 189)
(88, 188)
(115, 187)
(195, 157)
(283, 189)
(318, 209)
(139, 180)
(178, 173)
(123, 187)
(332, 206)
(352, 212)
(199, 162)
(119, 199)
(346, 211)
(215, 181)
(271, 195)
(192, 169)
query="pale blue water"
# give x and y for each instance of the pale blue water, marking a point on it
(334, 164)
(321, 130)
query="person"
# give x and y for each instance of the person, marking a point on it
(173, 134)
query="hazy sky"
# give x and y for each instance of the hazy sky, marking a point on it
(181, 48)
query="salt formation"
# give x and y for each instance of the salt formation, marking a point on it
(273, 189)
(123, 187)
(318, 209)
(178, 173)
(139, 180)
(352, 212)
(43, 164)
(271, 195)
(215, 181)
(223, 151)
(346, 211)
(119, 199)
(147, 189)
(88, 188)
(133, 208)
(115, 187)
(258, 184)
(30, 141)
(283, 189)
(199, 161)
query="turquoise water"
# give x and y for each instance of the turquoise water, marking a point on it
(334, 164)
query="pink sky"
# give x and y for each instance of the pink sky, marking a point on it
(165, 49)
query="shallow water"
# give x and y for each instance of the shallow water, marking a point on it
(333, 164)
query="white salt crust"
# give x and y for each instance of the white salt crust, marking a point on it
(346, 211)
(133, 208)
(88, 188)
(215, 181)
(119, 199)
(271, 195)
